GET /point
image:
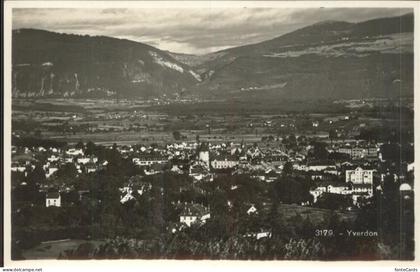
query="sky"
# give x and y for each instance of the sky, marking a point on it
(192, 30)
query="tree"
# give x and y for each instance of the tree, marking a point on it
(292, 190)
(287, 168)
(67, 171)
(90, 148)
(332, 135)
(177, 135)
(290, 141)
(333, 201)
(319, 151)
(37, 176)
(80, 145)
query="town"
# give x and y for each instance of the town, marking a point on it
(210, 190)
(352, 174)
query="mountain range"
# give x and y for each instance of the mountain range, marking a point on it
(330, 59)
(48, 64)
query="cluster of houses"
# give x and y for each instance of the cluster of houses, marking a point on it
(193, 213)
(352, 175)
(358, 185)
(55, 158)
(24, 161)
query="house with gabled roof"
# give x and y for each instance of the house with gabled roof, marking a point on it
(53, 199)
(224, 162)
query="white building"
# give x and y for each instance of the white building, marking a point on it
(204, 156)
(224, 163)
(86, 160)
(317, 192)
(300, 167)
(149, 160)
(359, 176)
(321, 167)
(74, 152)
(189, 219)
(50, 171)
(263, 234)
(357, 191)
(53, 199)
(258, 235)
(363, 189)
(251, 210)
(18, 168)
(338, 189)
(176, 169)
(127, 197)
(53, 158)
(410, 167)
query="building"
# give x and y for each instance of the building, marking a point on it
(361, 192)
(53, 199)
(330, 187)
(363, 189)
(369, 153)
(51, 170)
(366, 153)
(176, 169)
(204, 156)
(154, 169)
(91, 168)
(226, 162)
(150, 160)
(254, 153)
(258, 235)
(317, 192)
(194, 214)
(410, 167)
(86, 160)
(75, 152)
(270, 175)
(198, 170)
(345, 150)
(357, 152)
(251, 210)
(357, 191)
(127, 194)
(53, 158)
(359, 176)
(321, 167)
(18, 168)
(126, 197)
(300, 167)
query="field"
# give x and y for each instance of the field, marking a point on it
(146, 122)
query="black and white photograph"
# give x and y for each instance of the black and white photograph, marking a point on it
(239, 132)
